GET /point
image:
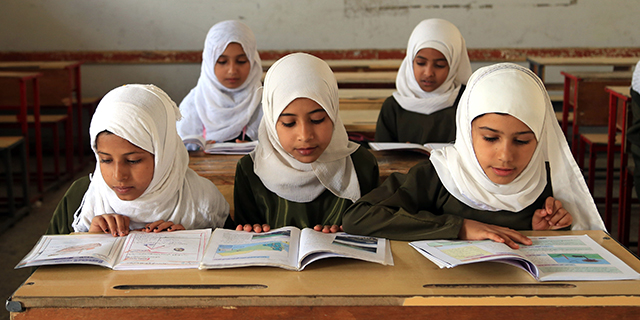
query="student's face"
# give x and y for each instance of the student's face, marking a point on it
(430, 69)
(304, 129)
(232, 67)
(127, 169)
(503, 145)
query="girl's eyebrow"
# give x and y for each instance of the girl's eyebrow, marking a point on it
(421, 57)
(498, 131)
(126, 154)
(295, 115)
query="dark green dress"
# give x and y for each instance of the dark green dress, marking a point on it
(63, 215)
(417, 206)
(396, 124)
(254, 203)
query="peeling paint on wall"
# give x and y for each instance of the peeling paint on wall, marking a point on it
(364, 8)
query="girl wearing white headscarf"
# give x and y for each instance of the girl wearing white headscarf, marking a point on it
(437, 197)
(633, 132)
(145, 117)
(413, 114)
(272, 187)
(223, 113)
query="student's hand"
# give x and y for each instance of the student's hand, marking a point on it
(210, 141)
(116, 224)
(552, 217)
(242, 141)
(162, 225)
(475, 230)
(328, 229)
(257, 228)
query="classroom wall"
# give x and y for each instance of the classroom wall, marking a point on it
(152, 25)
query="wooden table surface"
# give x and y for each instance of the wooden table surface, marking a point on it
(329, 288)
(221, 169)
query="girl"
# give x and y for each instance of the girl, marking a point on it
(429, 83)
(226, 101)
(510, 168)
(304, 172)
(142, 178)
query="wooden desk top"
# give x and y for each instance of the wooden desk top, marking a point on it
(366, 77)
(582, 61)
(221, 169)
(19, 75)
(413, 281)
(598, 76)
(360, 120)
(39, 64)
(354, 63)
(380, 93)
(620, 90)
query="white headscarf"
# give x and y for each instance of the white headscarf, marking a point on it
(225, 112)
(443, 36)
(301, 75)
(635, 81)
(145, 116)
(511, 89)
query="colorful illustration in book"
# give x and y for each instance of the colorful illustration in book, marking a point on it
(230, 250)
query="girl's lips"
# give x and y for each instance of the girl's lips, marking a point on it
(502, 172)
(122, 190)
(305, 151)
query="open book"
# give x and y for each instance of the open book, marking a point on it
(423, 148)
(554, 258)
(136, 251)
(220, 147)
(290, 248)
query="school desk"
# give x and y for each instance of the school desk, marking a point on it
(221, 169)
(354, 64)
(375, 79)
(9, 93)
(338, 288)
(619, 116)
(363, 99)
(60, 86)
(360, 120)
(584, 95)
(538, 64)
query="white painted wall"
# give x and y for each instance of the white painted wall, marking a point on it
(97, 25)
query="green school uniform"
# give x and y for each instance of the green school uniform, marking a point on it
(417, 206)
(63, 215)
(254, 203)
(396, 124)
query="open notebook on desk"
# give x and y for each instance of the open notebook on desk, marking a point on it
(221, 147)
(551, 258)
(422, 148)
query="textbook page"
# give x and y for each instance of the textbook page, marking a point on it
(195, 139)
(96, 249)
(315, 245)
(426, 148)
(230, 147)
(163, 250)
(230, 248)
(554, 258)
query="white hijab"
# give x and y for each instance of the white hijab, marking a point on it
(301, 75)
(225, 112)
(635, 81)
(511, 89)
(443, 36)
(145, 116)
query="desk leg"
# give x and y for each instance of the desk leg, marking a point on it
(38, 130)
(611, 137)
(78, 92)
(6, 158)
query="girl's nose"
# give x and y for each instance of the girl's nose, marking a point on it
(120, 173)
(305, 132)
(505, 152)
